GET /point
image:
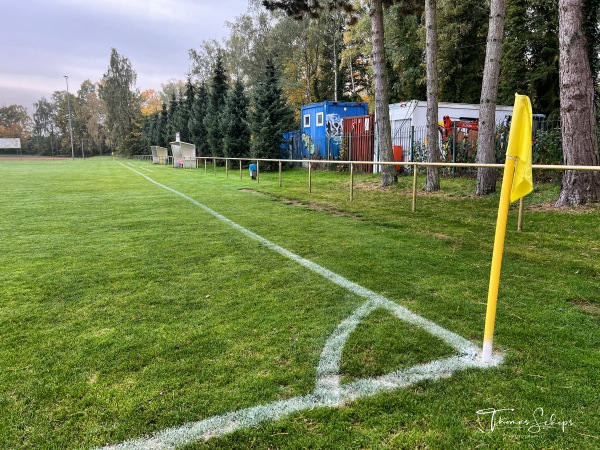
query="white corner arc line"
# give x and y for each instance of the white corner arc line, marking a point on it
(328, 390)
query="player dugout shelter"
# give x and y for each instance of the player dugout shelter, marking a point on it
(160, 155)
(184, 155)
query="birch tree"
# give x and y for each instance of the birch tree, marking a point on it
(119, 92)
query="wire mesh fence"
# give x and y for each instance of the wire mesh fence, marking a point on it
(457, 144)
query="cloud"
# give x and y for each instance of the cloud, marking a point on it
(27, 89)
(157, 11)
(38, 83)
(46, 39)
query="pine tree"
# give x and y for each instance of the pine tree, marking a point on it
(530, 56)
(270, 117)
(236, 143)
(432, 182)
(184, 111)
(133, 143)
(486, 151)
(172, 125)
(578, 38)
(463, 28)
(178, 119)
(216, 102)
(196, 121)
(161, 128)
(515, 70)
(403, 39)
(149, 129)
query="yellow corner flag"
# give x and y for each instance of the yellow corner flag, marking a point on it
(519, 147)
(518, 153)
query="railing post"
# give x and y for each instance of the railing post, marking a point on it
(309, 177)
(350, 147)
(412, 143)
(279, 173)
(226, 168)
(414, 199)
(205, 170)
(520, 221)
(454, 150)
(257, 172)
(215, 166)
(351, 181)
(240, 168)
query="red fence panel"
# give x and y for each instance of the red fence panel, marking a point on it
(359, 132)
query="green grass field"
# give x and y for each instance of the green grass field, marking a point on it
(125, 309)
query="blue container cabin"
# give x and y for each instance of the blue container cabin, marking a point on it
(322, 127)
(291, 146)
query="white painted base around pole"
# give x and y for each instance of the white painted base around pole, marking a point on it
(486, 354)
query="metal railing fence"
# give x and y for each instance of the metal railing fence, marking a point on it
(310, 164)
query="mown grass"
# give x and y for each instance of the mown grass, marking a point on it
(125, 309)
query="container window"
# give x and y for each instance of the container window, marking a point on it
(306, 120)
(319, 119)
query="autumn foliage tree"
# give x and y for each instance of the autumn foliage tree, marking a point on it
(14, 122)
(151, 102)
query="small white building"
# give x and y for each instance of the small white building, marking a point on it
(414, 113)
(408, 121)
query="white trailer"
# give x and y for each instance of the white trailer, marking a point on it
(414, 113)
(411, 116)
(409, 122)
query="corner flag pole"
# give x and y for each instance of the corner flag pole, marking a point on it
(514, 187)
(490, 315)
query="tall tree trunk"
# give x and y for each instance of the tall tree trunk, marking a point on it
(486, 151)
(577, 110)
(335, 69)
(308, 76)
(384, 132)
(433, 151)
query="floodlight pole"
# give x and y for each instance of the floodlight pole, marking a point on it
(70, 123)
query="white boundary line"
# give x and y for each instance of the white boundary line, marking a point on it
(139, 167)
(329, 392)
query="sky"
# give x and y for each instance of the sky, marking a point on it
(43, 40)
